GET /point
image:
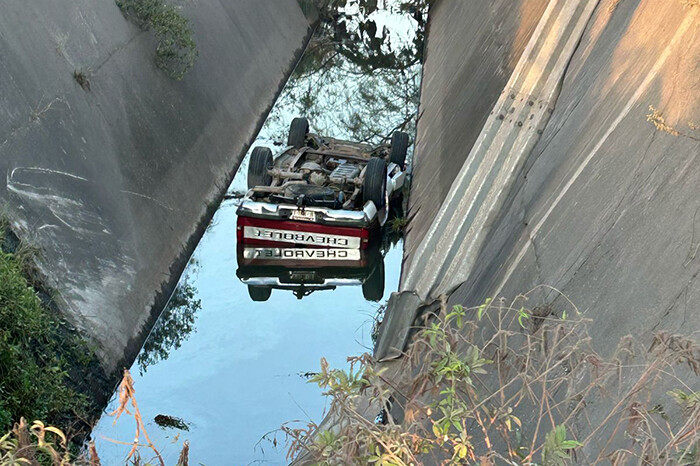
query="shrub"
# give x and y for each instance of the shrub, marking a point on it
(176, 51)
(36, 352)
(501, 384)
(46, 445)
(397, 224)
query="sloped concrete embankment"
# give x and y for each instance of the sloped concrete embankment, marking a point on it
(603, 206)
(441, 260)
(471, 51)
(606, 207)
(115, 180)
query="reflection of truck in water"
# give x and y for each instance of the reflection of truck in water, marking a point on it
(320, 192)
(304, 270)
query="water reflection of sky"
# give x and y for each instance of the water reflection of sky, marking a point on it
(237, 376)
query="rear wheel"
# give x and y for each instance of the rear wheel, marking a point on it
(373, 287)
(259, 293)
(399, 148)
(258, 166)
(374, 184)
(297, 132)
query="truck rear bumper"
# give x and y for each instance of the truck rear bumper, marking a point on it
(364, 218)
(277, 232)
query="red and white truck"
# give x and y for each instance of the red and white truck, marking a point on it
(320, 192)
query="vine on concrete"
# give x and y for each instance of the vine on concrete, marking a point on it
(176, 51)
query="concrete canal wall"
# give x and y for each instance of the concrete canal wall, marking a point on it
(604, 206)
(472, 49)
(113, 180)
(513, 127)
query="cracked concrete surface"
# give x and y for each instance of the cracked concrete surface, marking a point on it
(446, 255)
(113, 182)
(472, 50)
(609, 201)
(605, 208)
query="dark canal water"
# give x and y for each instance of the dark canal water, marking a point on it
(233, 369)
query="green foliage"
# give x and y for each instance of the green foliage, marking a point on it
(176, 51)
(522, 316)
(397, 224)
(327, 443)
(358, 38)
(480, 311)
(357, 80)
(557, 447)
(480, 386)
(36, 350)
(5, 415)
(449, 371)
(339, 382)
(685, 400)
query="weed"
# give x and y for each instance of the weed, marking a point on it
(377, 322)
(657, 119)
(612, 6)
(176, 51)
(557, 447)
(36, 351)
(47, 445)
(397, 224)
(487, 387)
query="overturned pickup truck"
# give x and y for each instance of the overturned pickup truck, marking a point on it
(320, 192)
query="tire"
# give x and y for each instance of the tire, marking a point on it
(260, 162)
(399, 148)
(297, 132)
(373, 287)
(374, 184)
(259, 294)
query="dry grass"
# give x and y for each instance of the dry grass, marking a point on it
(499, 384)
(656, 118)
(612, 6)
(41, 445)
(126, 396)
